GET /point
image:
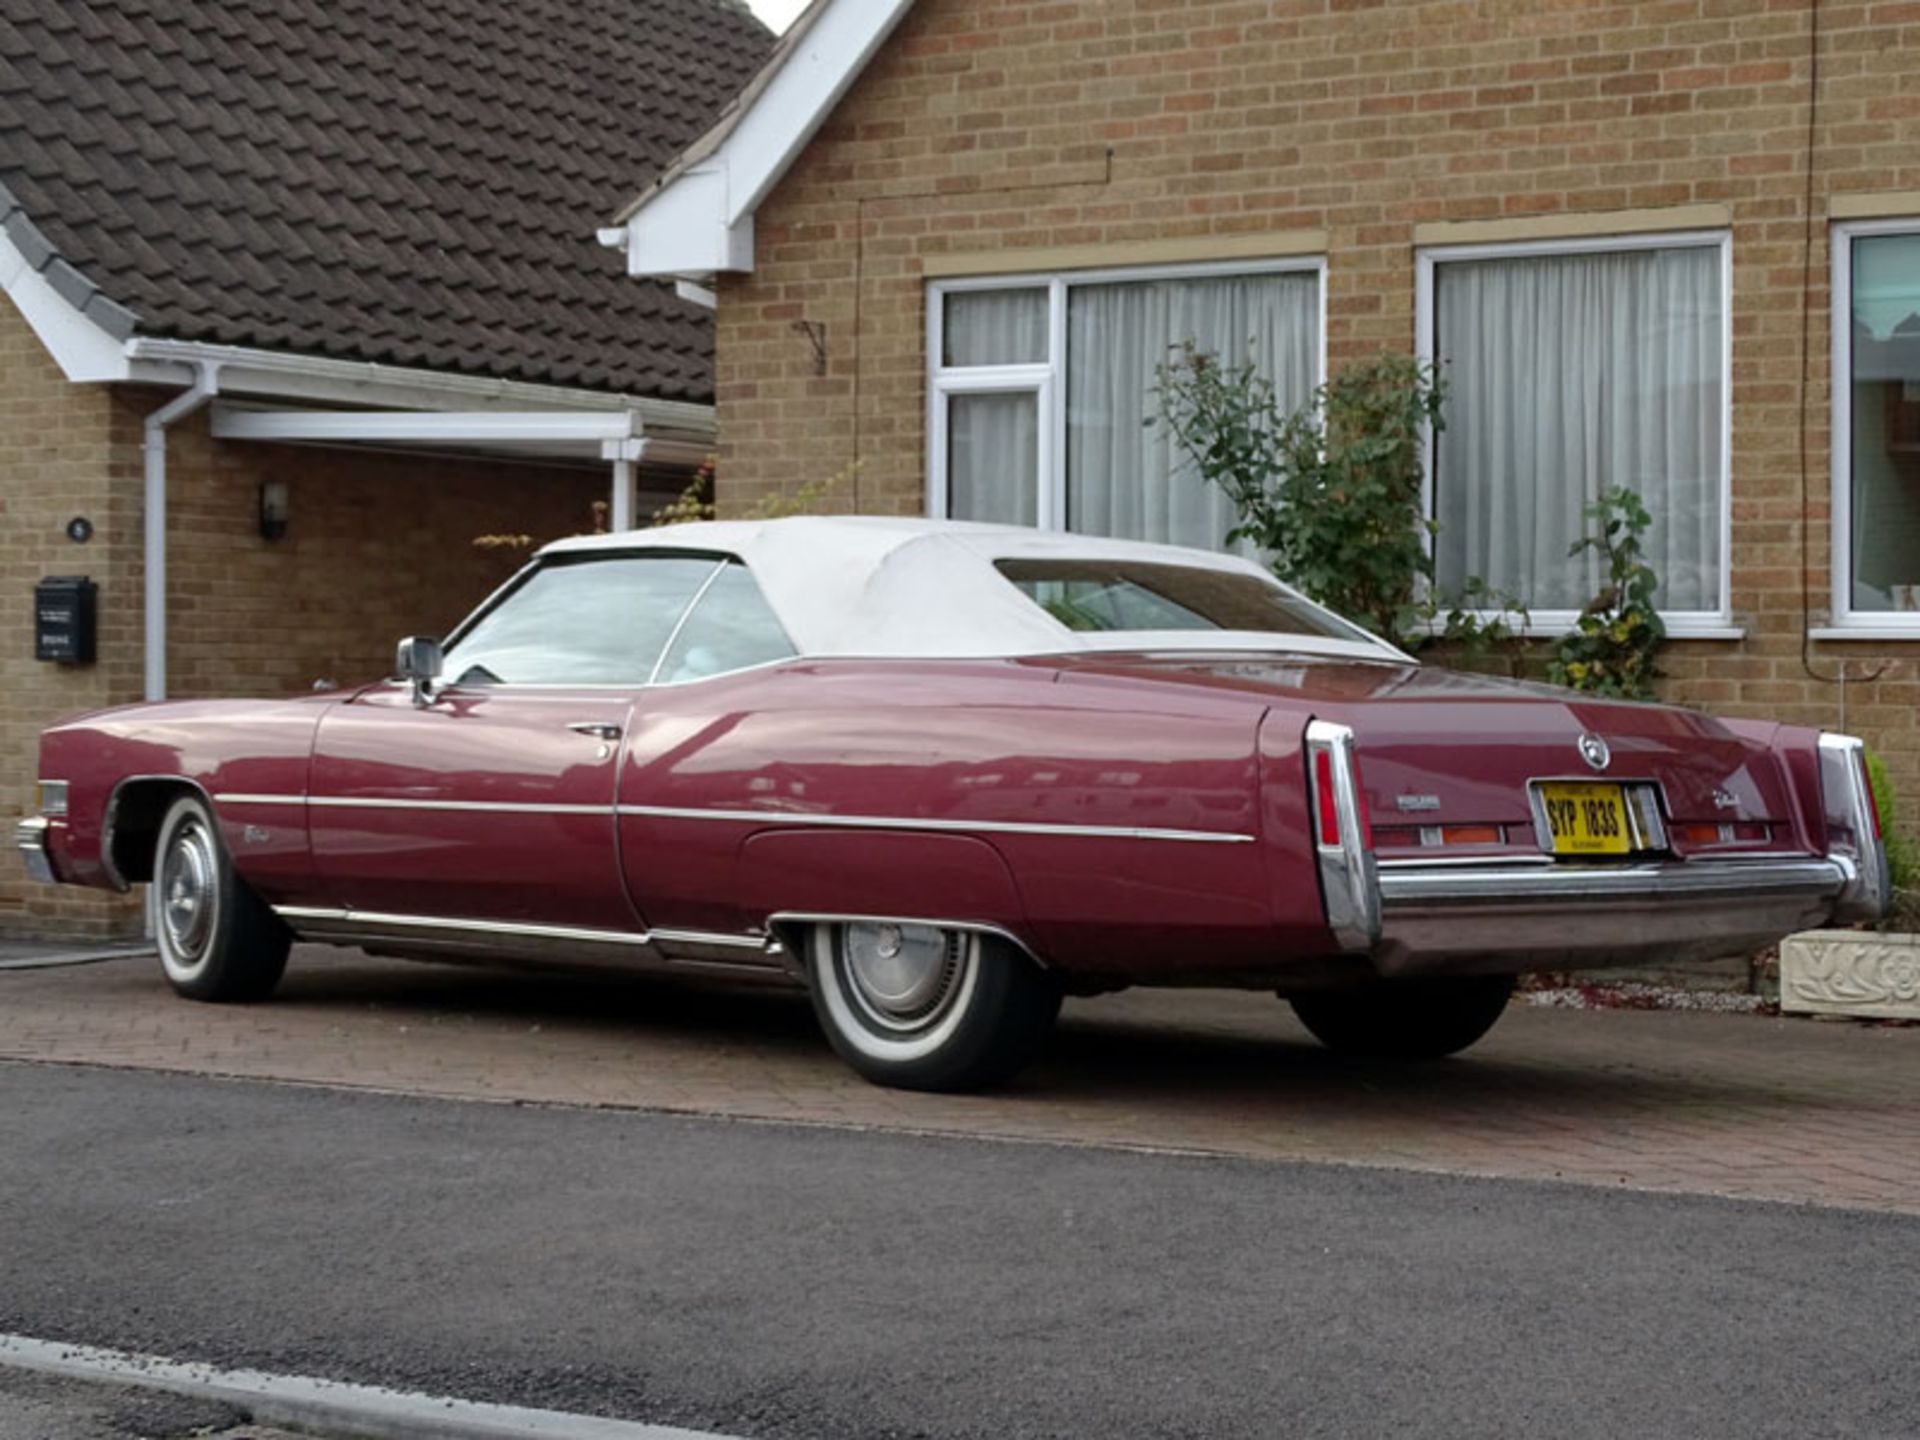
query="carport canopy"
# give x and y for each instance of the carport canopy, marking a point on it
(617, 437)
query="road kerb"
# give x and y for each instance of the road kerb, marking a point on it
(334, 1408)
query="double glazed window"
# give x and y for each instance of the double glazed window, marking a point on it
(1042, 387)
(620, 620)
(1573, 368)
(1876, 431)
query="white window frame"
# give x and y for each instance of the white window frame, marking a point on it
(1716, 624)
(1848, 623)
(1048, 379)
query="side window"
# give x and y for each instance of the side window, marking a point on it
(730, 629)
(599, 621)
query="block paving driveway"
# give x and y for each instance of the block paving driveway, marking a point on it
(1797, 1110)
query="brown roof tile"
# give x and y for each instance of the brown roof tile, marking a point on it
(412, 183)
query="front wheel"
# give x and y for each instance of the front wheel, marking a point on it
(919, 1007)
(217, 939)
(1405, 1019)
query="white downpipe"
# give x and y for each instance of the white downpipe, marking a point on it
(154, 451)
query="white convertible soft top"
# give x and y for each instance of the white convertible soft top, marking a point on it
(883, 586)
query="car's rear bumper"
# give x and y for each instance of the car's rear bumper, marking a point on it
(1472, 918)
(30, 836)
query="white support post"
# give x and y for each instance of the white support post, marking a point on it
(622, 515)
(625, 456)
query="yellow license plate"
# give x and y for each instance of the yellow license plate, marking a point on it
(1587, 819)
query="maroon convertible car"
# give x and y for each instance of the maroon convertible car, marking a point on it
(940, 775)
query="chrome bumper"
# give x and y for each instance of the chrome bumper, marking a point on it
(30, 835)
(1505, 917)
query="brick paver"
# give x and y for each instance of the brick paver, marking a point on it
(1797, 1110)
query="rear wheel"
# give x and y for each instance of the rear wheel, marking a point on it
(1406, 1019)
(217, 939)
(919, 1007)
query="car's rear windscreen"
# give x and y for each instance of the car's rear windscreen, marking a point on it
(1124, 595)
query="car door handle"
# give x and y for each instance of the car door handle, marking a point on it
(598, 729)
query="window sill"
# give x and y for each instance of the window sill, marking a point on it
(1552, 624)
(1907, 631)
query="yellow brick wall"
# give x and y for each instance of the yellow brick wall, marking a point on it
(993, 124)
(379, 546)
(61, 456)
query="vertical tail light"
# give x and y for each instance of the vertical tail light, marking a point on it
(1326, 800)
(1854, 834)
(1343, 837)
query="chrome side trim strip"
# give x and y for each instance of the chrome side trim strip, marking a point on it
(758, 943)
(338, 922)
(892, 822)
(360, 802)
(972, 927)
(1406, 888)
(380, 920)
(756, 817)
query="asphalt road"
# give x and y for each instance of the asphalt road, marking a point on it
(773, 1281)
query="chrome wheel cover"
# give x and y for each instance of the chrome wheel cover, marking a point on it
(187, 896)
(896, 992)
(902, 977)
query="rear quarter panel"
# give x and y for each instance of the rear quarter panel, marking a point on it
(952, 743)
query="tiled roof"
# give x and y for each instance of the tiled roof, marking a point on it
(415, 182)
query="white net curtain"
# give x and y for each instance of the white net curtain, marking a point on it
(1127, 480)
(1568, 374)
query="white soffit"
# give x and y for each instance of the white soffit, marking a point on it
(697, 221)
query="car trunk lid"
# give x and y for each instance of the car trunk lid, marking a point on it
(1441, 748)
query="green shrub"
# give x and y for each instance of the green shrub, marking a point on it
(1333, 493)
(1903, 857)
(1614, 646)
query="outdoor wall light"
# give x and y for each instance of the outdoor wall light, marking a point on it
(274, 505)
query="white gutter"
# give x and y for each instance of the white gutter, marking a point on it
(364, 382)
(154, 450)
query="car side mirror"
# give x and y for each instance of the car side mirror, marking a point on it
(418, 660)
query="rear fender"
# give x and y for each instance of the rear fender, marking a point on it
(789, 877)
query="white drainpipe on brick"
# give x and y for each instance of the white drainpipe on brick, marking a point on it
(154, 450)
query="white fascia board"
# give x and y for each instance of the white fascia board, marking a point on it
(701, 221)
(684, 232)
(320, 380)
(796, 102)
(533, 427)
(80, 346)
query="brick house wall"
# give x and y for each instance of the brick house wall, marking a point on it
(1115, 127)
(378, 546)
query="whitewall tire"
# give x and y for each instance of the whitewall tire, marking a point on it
(217, 940)
(923, 1007)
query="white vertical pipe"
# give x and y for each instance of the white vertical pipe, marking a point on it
(154, 452)
(622, 515)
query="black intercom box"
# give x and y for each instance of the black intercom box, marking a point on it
(64, 611)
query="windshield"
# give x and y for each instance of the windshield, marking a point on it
(620, 620)
(1110, 596)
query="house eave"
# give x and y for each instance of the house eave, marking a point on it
(696, 221)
